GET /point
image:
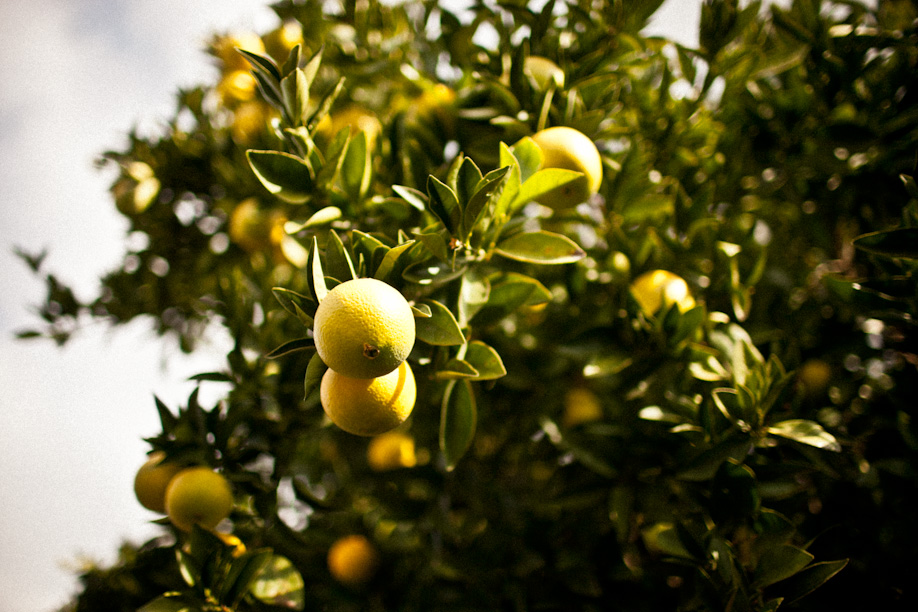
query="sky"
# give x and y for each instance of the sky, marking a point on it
(75, 77)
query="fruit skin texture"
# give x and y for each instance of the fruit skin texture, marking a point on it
(152, 479)
(660, 289)
(369, 407)
(198, 496)
(570, 149)
(364, 328)
(391, 451)
(352, 560)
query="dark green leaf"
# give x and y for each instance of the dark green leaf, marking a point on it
(899, 243)
(458, 418)
(212, 377)
(780, 562)
(338, 262)
(484, 193)
(541, 247)
(467, 178)
(263, 64)
(444, 204)
(394, 263)
(706, 464)
(286, 176)
(166, 418)
(296, 304)
(171, 602)
(314, 372)
(432, 272)
(241, 574)
(293, 346)
(811, 578)
(441, 329)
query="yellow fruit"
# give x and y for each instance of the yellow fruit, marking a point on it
(237, 86)
(249, 120)
(581, 406)
(225, 48)
(814, 376)
(368, 406)
(253, 228)
(660, 289)
(198, 496)
(151, 481)
(391, 451)
(364, 328)
(353, 560)
(543, 71)
(570, 149)
(357, 118)
(280, 42)
(136, 189)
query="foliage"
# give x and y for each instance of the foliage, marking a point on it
(771, 168)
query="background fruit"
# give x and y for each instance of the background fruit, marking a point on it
(364, 328)
(661, 289)
(570, 149)
(391, 451)
(152, 479)
(369, 406)
(581, 406)
(353, 560)
(543, 71)
(198, 496)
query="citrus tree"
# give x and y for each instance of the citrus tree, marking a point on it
(530, 311)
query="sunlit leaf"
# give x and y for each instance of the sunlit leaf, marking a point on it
(541, 247)
(286, 176)
(441, 328)
(485, 360)
(542, 182)
(338, 262)
(455, 369)
(280, 584)
(320, 217)
(314, 372)
(805, 432)
(415, 198)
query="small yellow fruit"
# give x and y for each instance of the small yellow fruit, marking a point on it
(368, 406)
(281, 41)
(581, 406)
(352, 560)
(543, 71)
(253, 228)
(198, 496)
(152, 479)
(237, 86)
(364, 328)
(814, 377)
(136, 189)
(391, 451)
(357, 118)
(570, 149)
(249, 120)
(225, 48)
(661, 289)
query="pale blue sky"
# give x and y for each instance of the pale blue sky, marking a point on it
(76, 76)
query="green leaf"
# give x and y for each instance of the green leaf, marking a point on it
(484, 193)
(541, 247)
(296, 304)
(286, 176)
(338, 262)
(779, 562)
(444, 204)
(441, 328)
(506, 294)
(395, 261)
(295, 90)
(467, 178)
(357, 169)
(456, 368)
(171, 602)
(458, 418)
(166, 418)
(321, 217)
(241, 574)
(897, 243)
(706, 464)
(212, 377)
(805, 582)
(280, 584)
(414, 197)
(542, 182)
(435, 243)
(314, 372)
(315, 277)
(432, 273)
(528, 156)
(262, 64)
(473, 295)
(806, 432)
(485, 360)
(292, 346)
